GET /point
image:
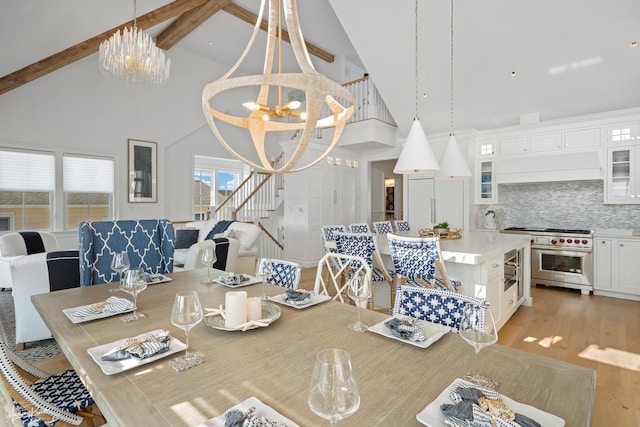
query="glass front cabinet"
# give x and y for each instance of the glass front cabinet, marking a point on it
(623, 178)
(486, 187)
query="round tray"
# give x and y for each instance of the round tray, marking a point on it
(270, 311)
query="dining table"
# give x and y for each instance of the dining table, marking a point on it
(396, 380)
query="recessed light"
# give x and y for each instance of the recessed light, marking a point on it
(633, 43)
(513, 74)
(424, 94)
(210, 43)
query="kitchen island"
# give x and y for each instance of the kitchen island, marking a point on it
(494, 266)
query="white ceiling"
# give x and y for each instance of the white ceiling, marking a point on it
(571, 57)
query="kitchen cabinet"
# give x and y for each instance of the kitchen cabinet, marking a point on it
(514, 146)
(623, 178)
(486, 189)
(617, 268)
(623, 132)
(431, 201)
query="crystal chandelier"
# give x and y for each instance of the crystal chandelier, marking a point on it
(268, 113)
(133, 57)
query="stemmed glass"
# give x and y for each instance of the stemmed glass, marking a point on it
(186, 313)
(477, 326)
(120, 263)
(359, 290)
(333, 394)
(135, 281)
(263, 270)
(208, 258)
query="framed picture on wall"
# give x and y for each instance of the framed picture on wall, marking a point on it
(143, 171)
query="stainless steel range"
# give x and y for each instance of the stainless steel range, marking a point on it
(560, 257)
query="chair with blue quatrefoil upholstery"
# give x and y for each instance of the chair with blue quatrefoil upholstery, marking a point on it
(402, 226)
(149, 243)
(285, 274)
(40, 399)
(364, 245)
(434, 305)
(359, 228)
(382, 227)
(416, 259)
(328, 237)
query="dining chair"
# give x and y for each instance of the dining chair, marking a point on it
(359, 228)
(382, 227)
(402, 225)
(334, 270)
(434, 305)
(328, 237)
(416, 259)
(285, 274)
(364, 245)
(40, 399)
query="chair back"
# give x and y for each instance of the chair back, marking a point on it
(285, 274)
(434, 305)
(333, 268)
(402, 225)
(414, 257)
(357, 244)
(382, 227)
(149, 243)
(359, 228)
(328, 235)
(26, 243)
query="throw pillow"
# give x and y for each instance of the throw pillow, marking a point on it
(185, 237)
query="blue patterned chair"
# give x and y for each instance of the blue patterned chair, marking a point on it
(364, 245)
(328, 236)
(382, 227)
(359, 228)
(57, 397)
(434, 305)
(402, 226)
(285, 274)
(416, 259)
(149, 243)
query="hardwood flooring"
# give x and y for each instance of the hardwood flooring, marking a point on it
(596, 332)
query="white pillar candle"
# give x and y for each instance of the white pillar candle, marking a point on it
(235, 309)
(254, 309)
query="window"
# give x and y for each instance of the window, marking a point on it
(27, 184)
(621, 134)
(214, 180)
(486, 149)
(88, 189)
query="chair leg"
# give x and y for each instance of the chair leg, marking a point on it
(19, 346)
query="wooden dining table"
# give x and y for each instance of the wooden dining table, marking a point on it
(396, 380)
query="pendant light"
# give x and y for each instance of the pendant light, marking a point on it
(452, 162)
(416, 155)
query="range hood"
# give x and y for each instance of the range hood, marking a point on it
(581, 166)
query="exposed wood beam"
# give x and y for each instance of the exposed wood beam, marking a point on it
(251, 18)
(188, 22)
(90, 46)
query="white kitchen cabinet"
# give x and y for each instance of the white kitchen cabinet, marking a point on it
(623, 132)
(514, 146)
(545, 143)
(623, 178)
(582, 138)
(431, 201)
(486, 189)
(617, 268)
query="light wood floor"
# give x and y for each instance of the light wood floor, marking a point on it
(596, 332)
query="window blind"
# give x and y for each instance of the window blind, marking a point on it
(27, 171)
(87, 174)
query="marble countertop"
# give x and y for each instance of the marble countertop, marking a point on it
(616, 233)
(476, 247)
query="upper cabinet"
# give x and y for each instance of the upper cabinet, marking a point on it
(574, 139)
(622, 133)
(623, 180)
(486, 189)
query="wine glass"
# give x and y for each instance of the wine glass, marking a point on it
(477, 326)
(186, 313)
(333, 394)
(135, 281)
(120, 263)
(208, 258)
(359, 290)
(263, 271)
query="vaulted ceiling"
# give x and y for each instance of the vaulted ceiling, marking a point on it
(570, 58)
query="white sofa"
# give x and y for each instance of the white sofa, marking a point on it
(246, 233)
(194, 257)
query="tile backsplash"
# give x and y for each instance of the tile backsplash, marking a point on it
(574, 204)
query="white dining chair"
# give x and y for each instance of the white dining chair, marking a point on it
(333, 273)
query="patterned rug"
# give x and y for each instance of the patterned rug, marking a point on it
(33, 351)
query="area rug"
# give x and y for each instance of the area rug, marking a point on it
(33, 351)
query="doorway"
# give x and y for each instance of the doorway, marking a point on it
(386, 191)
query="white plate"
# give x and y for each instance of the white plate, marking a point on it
(432, 331)
(117, 366)
(75, 319)
(261, 410)
(154, 279)
(315, 299)
(252, 281)
(432, 415)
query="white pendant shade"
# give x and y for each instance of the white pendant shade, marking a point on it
(452, 162)
(416, 155)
